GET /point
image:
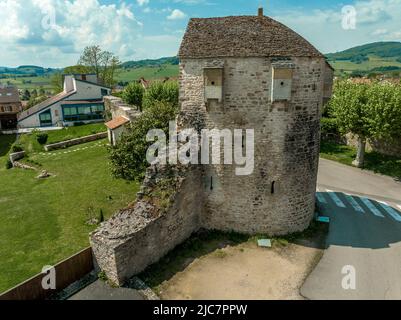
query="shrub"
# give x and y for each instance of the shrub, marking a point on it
(133, 94)
(42, 137)
(161, 92)
(128, 157)
(9, 164)
(17, 148)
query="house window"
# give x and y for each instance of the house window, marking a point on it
(282, 84)
(213, 78)
(73, 113)
(104, 92)
(45, 119)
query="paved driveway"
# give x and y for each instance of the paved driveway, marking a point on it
(99, 290)
(365, 233)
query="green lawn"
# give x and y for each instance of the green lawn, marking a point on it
(44, 221)
(30, 143)
(387, 165)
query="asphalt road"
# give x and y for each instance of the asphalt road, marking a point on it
(99, 290)
(364, 234)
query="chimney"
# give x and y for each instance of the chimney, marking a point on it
(260, 12)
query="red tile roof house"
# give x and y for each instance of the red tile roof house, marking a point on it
(10, 106)
(81, 101)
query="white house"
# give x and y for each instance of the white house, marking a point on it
(80, 102)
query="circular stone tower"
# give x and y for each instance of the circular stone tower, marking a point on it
(252, 72)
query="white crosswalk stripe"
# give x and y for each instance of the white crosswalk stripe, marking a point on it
(336, 199)
(372, 207)
(354, 203)
(390, 211)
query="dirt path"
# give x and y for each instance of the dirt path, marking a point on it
(245, 272)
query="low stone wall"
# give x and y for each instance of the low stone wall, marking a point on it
(387, 147)
(116, 107)
(73, 142)
(17, 156)
(141, 235)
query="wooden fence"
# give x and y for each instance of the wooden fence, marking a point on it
(67, 272)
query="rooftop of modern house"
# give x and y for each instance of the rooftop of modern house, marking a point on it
(243, 36)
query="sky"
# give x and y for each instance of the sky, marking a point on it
(53, 33)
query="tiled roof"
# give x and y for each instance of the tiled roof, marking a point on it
(9, 95)
(117, 122)
(243, 36)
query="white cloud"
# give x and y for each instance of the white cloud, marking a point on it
(28, 35)
(376, 20)
(142, 2)
(176, 14)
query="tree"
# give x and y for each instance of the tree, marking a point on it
(128, 157)
(56, 79)
(133, 94)
(367, 111)
(159, 91)
(103, 63)
(56, 82)
(26, 96)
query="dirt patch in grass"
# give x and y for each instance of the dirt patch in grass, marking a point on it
(229, 266)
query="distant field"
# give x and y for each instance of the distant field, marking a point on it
(128, 75)
(36, 82)
(149, 73)
(374, 62)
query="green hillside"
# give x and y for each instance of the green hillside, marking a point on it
(379, 57)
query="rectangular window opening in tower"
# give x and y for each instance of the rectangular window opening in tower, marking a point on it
(213, 82)
(282, 83)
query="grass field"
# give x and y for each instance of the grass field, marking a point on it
(149, 73)
(44, 221)
(30, 144)
(374, 62)
(387, 165)
(128, 75)
(35, 82)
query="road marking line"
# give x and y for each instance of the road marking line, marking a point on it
(399, 207)
(336, 199)
(390, 211)
(355, 204)
(372, 207)
(321, 198)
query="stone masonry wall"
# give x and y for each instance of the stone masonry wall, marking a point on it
(116, 107)
(142, 234)
(287, 144)
(278, 198)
